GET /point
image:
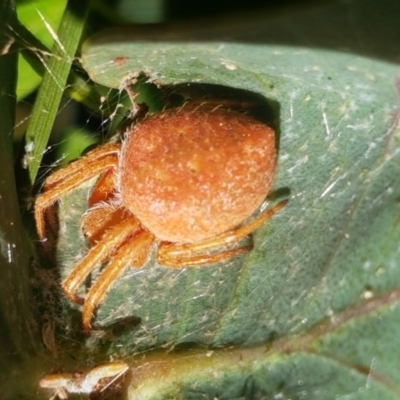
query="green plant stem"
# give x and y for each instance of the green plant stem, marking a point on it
(18, 331)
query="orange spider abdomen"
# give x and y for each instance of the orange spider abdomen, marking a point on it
(191, 174)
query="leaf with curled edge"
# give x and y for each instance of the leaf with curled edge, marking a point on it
(320, 287)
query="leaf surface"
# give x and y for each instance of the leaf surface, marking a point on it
(316, 301)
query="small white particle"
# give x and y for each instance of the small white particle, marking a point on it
(229, 66)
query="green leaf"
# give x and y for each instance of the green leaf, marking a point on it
(37, 16)
(321, 258)
(312, 311)
(49, 96)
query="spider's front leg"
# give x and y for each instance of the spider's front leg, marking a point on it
(71, 177)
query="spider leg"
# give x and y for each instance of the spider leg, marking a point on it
(186, 254)
(81, 163)
(133, 252)
(71, 177)
(194, 260)
(98, 219)
(104, 190)
(111, 240)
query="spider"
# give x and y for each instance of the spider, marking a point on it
(185, 180)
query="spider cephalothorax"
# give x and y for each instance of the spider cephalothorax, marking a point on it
(185, 179)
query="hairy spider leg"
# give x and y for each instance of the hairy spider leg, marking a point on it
(109, 243)
(104, 190)
(178, 255)
(134, 252)
(100, 218)
(81, 163)
(193, 260)
(71, 177)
